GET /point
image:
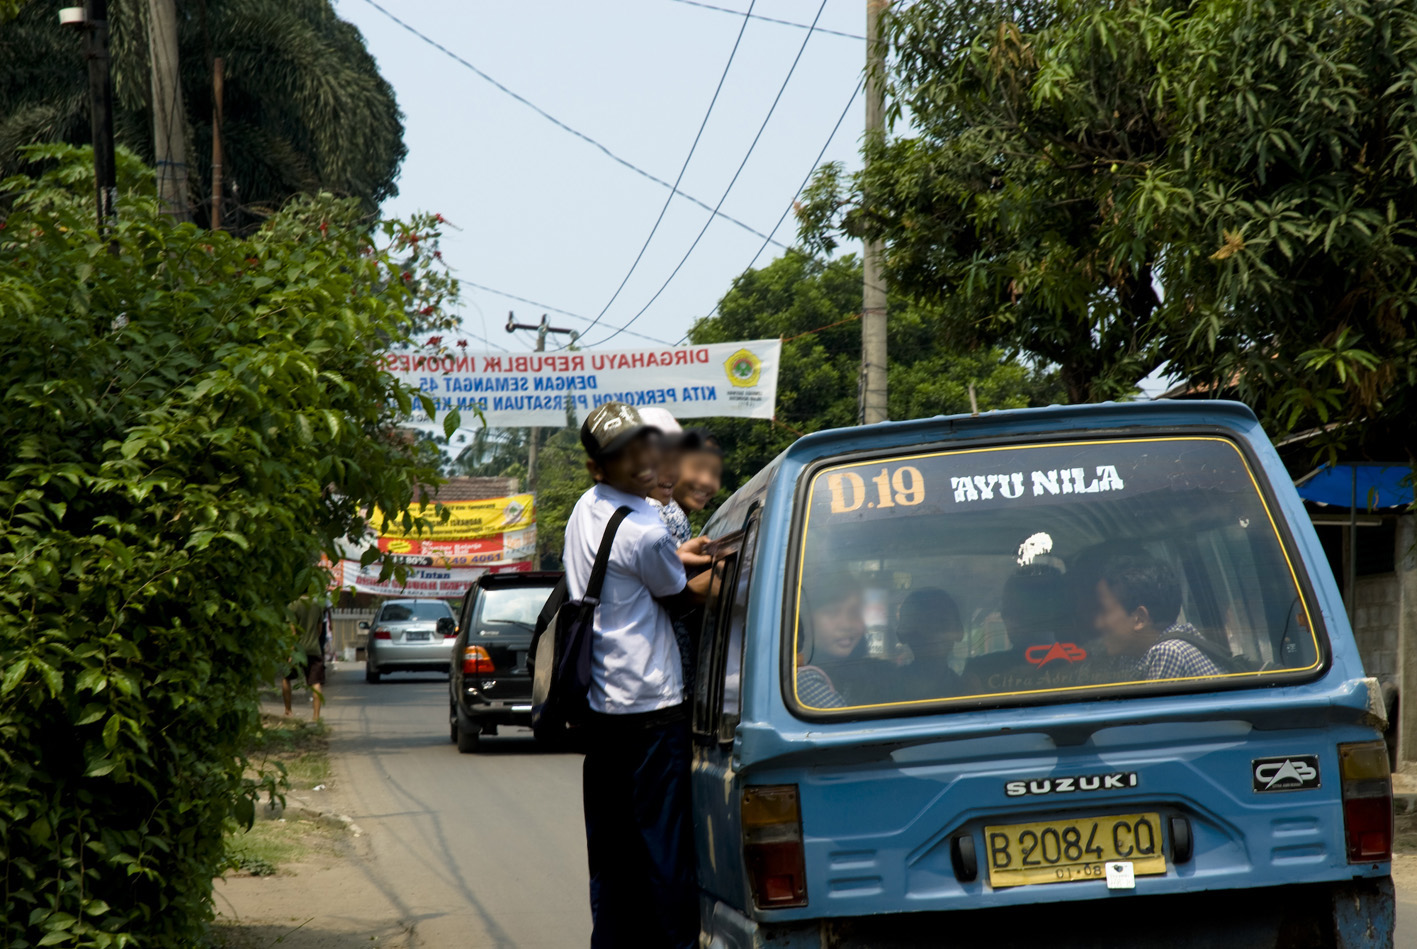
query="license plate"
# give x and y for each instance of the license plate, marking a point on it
(416, 637)
(1060, 851)
(521, 660)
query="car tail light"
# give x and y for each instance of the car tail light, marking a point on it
(772, 845)
(452, 635)
(383, 634)
(1367, 800)
(476, 662)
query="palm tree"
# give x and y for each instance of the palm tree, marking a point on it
(305, 108)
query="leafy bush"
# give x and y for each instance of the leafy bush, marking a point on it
(188, 421)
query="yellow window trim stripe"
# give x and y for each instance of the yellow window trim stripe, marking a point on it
(802, 560)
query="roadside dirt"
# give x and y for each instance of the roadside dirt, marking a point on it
(323, 900)
(304, 882)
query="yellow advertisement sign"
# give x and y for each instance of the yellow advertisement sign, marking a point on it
(469, 520)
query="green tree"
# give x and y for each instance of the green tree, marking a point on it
(1254, 160)
(305, 109)
(1301, 252)
(190, 422)
(794, 297)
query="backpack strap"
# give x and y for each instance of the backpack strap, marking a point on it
(602, 556)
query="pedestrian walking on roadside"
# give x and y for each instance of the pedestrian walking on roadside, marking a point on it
(638, 812)
(310, 625)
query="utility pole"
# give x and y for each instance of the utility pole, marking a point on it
(93, 18)
(873, 290)
(542, 329)
(218, 75)
(169, 115)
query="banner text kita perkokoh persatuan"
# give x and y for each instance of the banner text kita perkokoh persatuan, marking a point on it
(516, 390)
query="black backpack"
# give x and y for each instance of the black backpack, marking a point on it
(560, 653)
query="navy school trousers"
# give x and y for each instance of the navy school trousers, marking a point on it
(639, 831)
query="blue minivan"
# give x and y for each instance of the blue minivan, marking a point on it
(1074, 676)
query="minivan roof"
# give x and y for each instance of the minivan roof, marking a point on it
(1047, 420)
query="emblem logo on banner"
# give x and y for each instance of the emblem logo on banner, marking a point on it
(744, 368)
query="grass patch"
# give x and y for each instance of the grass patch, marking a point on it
(296, 746)
(296, 751)
(272, 844)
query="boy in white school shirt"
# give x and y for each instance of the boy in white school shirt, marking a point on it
(638, 811)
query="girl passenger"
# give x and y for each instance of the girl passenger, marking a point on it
(700, 469)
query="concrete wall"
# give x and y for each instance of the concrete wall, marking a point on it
(347, 631)
(1376, 624)
(1407, 638)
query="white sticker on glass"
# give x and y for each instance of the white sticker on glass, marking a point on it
(1054, 481)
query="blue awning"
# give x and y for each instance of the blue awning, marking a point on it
(1379, 485)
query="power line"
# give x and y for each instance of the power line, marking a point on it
(769, 19)
(742, 28)
(673, 188)
(741, 165)
(554, 309)
(793, 203)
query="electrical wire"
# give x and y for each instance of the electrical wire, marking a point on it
(554, 309)
(733, 181)
(793, 203)
(769, 19)
(742, 28)
(673, 188)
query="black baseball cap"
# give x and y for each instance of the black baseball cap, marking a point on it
(610, 428)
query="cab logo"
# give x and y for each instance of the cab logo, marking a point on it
(1290, 773)
(1044, 653)
(744, 369)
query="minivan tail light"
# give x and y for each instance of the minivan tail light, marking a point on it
(772, 845)
(383, 634)
(476, 662)
(1367, 800)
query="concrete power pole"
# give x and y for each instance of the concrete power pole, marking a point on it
(92, 18)
(542, 329)
(873, 292)
(169, 114)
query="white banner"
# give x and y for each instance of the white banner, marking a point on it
(516, 390)
(421, 581)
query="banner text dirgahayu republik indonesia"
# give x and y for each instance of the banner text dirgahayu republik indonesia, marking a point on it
(513, 390)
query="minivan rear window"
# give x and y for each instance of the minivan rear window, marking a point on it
(1018, 573)
(514, 606)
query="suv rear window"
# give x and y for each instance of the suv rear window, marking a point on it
(419, 611)
(517, 607)
(1021, 572)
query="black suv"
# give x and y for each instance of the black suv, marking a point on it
(488, 681)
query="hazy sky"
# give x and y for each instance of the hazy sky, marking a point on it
(545, 215)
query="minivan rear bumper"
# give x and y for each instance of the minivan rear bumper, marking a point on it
(1348, 914)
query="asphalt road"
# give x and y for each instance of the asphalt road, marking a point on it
(486, 850)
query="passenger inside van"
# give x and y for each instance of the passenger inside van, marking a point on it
(1138, 605)
(928, 623)
(1034, 607)
(834, 669)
